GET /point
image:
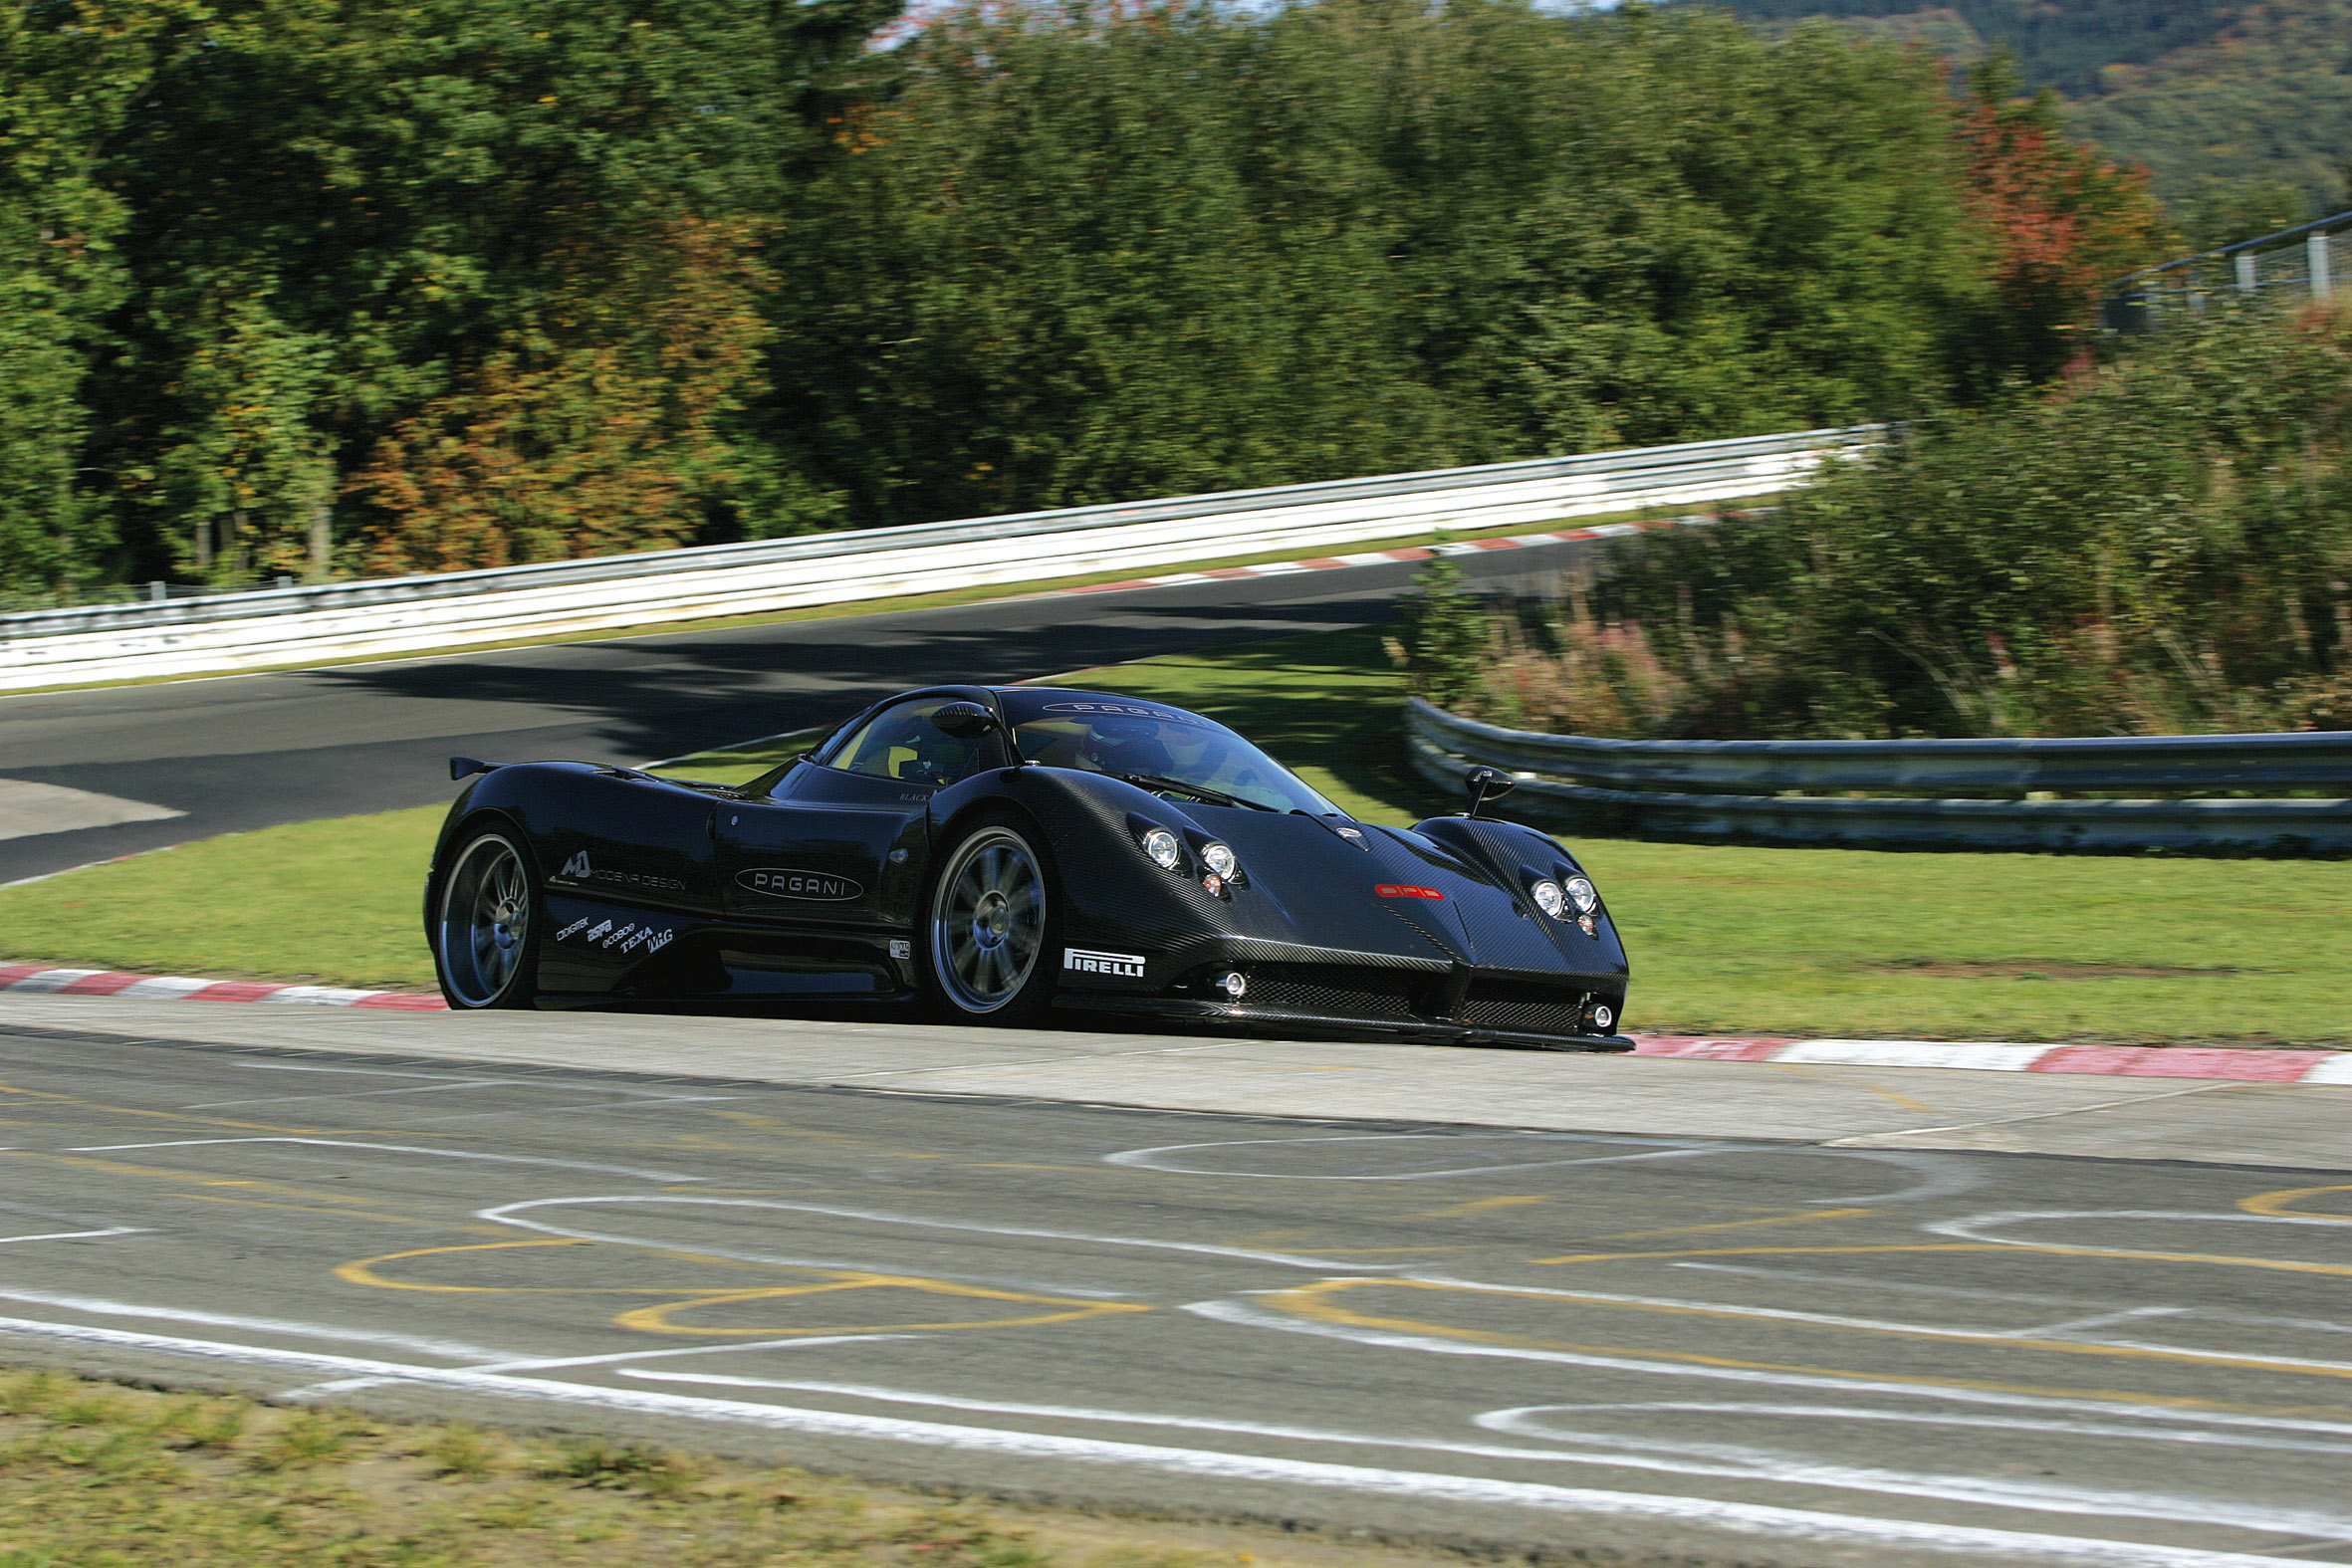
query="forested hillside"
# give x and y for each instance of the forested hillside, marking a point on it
(2241, 105)
(295, 288)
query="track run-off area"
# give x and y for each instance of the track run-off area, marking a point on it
(1670, 1347)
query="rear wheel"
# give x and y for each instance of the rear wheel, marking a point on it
(988, 949)
(485, 935)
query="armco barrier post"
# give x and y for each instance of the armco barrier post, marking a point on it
(2316, 257)
(2246, 283)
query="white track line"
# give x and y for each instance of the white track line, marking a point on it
(1754, 1519)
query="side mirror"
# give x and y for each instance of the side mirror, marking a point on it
(1486, 784)
(966, 721)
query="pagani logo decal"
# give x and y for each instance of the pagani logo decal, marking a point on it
(777, 882)
(1123, 709)
(578, 869)
(612, 938)
(1406, 890)
(1127, 965)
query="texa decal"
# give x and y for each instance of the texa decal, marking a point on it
(1129, 965)
(778, 883)
(1406, 890)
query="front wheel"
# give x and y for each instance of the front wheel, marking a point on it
(485, 930)
(988, 949)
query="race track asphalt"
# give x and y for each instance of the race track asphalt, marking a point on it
(1610, 1346)
(245, 752)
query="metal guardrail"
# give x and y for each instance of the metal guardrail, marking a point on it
(408, 614)
(2308, 261)
(1665, 787)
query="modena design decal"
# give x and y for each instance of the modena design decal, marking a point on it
(612, 937)
(778, 882)
(579, 870)
(1128, 966)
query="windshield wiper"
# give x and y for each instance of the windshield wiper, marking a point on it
(1197, 791)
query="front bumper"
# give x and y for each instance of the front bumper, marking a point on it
(1424, 1030)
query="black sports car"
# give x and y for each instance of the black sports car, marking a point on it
(996, 850)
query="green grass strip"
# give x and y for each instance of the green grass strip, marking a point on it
(93, 1474)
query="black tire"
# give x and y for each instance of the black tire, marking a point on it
(991, 917)
(487, 920)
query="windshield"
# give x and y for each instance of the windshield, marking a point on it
(1164, 750)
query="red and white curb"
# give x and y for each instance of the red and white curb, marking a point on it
(1375, 558)
(2129, 1061)
(180, 988)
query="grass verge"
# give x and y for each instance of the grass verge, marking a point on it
(1801, 942)
(95, 1474)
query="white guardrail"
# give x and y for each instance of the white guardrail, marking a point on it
(385, 617)
(1725, 788)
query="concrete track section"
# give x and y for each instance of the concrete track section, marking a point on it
(188, 759)
(1667, 1346)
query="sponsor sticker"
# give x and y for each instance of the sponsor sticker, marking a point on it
(1406, 890)
(901, 948)
(604, 935)
(1128, 966)
(783, 882)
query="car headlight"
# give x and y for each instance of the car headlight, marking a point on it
(1583, 895)
(1161, 846)
(1219, 859)
(1549, 898)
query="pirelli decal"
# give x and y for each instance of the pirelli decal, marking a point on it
(1127, 966)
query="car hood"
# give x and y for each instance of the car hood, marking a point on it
(1325, 876)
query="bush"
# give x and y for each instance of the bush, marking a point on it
(2159, 546)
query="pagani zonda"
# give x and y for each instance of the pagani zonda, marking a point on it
(994, 851)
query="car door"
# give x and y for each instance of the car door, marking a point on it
(843, 841)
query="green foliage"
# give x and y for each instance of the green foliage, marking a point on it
(1444, 634)
(2163, 545)
(362, 288)
(2222, 212)
(1060, 269)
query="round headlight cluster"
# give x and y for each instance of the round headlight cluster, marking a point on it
(1549, 898)
(1165, 852)
(1583, 895)
(1220, 859)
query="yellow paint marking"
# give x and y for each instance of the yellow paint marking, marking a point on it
(1307, 1301)
(339, 1213)
(1778, 1252)
(1864, 1085)
(193, 1178)
(1477, 1206)
(214, 1121)
(1331, 1314)
(683, 1299)
(2275, 1204)
(1728, 1225)
(656, 1320)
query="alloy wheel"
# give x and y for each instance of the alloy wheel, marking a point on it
(485, 922)
(988, 921)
